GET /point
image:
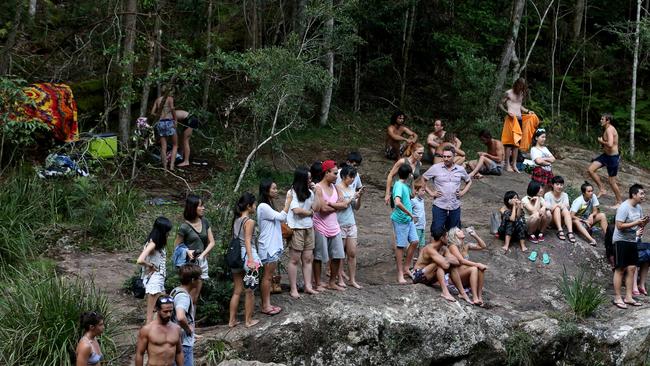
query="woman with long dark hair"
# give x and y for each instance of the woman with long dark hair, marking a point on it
(300, 221)
(270, 239)
(88, 350)
(153, 262)
(196, 233)
(243, 228)
(518, 128)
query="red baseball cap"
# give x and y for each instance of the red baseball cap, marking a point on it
(328, 164)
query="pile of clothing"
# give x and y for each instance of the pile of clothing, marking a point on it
(60, 166)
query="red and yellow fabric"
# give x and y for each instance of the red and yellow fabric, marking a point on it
(55, 106)
(514, 135)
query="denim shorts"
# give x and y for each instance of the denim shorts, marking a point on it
(274, 258)
(405, 233)
(165, 128)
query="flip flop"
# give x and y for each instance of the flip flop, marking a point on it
(546, 259)
(633, 303)
(274, 310)
(533, 256)
(643, 291)
(620, 305)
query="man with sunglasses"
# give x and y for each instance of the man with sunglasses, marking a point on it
(446, 177)
(160, 339)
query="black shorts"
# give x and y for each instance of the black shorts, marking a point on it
(193, 121)
(611, 162)
(625, 253)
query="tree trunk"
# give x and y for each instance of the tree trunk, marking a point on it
(407, 39)
(518, 70)
(32, 8)
(357, 81)
(557, 15)
(300, 21)
(126, 90)
(208, 50)
(153, 47)
(5, 54)
(506, 55)
(577, 19)
(635, 65)
(329, 63)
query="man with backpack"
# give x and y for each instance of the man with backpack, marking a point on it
(184, 310)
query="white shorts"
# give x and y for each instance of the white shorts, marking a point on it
(155, 284)
(203, 263)
(349, 231)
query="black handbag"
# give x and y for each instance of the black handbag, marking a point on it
(233, 254)
(138, 288)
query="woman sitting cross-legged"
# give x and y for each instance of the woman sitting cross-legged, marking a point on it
(471, 273)
(558, 202)
(513, 226)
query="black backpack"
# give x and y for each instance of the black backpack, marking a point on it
(233, 254)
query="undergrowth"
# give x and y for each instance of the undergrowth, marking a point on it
(519, 349)
(582, 294)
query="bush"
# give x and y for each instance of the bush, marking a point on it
(581, 293)
(519, 349)
(39, 318)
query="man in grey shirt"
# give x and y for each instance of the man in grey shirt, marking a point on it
(630, 223)
(446, 177)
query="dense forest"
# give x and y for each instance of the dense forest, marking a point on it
(243, 60)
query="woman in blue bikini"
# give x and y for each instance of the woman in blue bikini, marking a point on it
(88, 350)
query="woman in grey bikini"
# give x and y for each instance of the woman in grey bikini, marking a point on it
(88, 350)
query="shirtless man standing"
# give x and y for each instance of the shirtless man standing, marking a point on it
(490, 162)
(161, 338)
(610, 158)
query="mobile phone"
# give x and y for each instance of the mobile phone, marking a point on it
(360, 188)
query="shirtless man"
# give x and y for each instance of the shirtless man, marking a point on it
(166, 126)
(161, 338)
(490, 162)
(396, 143)
(435, 140)
(610, 158)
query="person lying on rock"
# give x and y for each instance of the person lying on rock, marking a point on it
(471, 273)
(431, 265)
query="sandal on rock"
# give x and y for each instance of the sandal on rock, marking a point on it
(572, 238)
(274, 310)
(533, 256)
(620, 305)
(633, 303)
(546, 259)
(560, 235)
(643, 291)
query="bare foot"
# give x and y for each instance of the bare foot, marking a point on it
(514, 167)
(345, 276)
(334, 286)
(252, 322)
(602, 193)
(448, 297)
(342, 284)
(295, 295)
(466, 298)
(523, 248)
(479, 302)
(311, 291)
(408, 274)
(505, 249)
(616, 206)
(233, 324)
(320, 289)
(355, 284)
(509, 168)
(401, 281)
(183, 164)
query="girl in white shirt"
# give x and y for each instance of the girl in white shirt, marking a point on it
(557, 201)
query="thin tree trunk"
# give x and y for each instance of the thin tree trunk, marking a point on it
(506, 55)
(635, 65)
(518, 72)
(301, 20)
(557, 14)
(32, 8)
(126, 90)
(577, 19)
(329, 63)
(406, 46)
(5, 54)
(153, 46)
(208, 50)
(159, 59)
(357, 81)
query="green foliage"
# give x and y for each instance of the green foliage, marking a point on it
(519, 349)
(216, 353)
(39, 318)
(473, 82)
(582, 294)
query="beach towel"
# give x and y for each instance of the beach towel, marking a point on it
(519, 136)
(55, 106)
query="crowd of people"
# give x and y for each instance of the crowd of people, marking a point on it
(317, 226)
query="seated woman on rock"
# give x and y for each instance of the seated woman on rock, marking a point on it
(513, 226)
(395, 141)
(471, 273)
(536, 213)
(539, 153)
(558, 203)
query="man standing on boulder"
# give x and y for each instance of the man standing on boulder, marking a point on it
(160, 339)
(610, 159)
(447, 177)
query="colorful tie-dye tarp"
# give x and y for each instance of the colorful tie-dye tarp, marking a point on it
(54, 104)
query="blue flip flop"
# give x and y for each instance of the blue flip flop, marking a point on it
(533, 256)
(546, 259)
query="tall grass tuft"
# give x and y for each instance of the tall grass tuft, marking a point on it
(519, 348)
(39, 318)
(582, 294)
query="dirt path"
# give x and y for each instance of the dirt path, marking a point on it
(512, 283)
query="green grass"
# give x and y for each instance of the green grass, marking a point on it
(519, 349)
(39, 318)
(582, 294)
